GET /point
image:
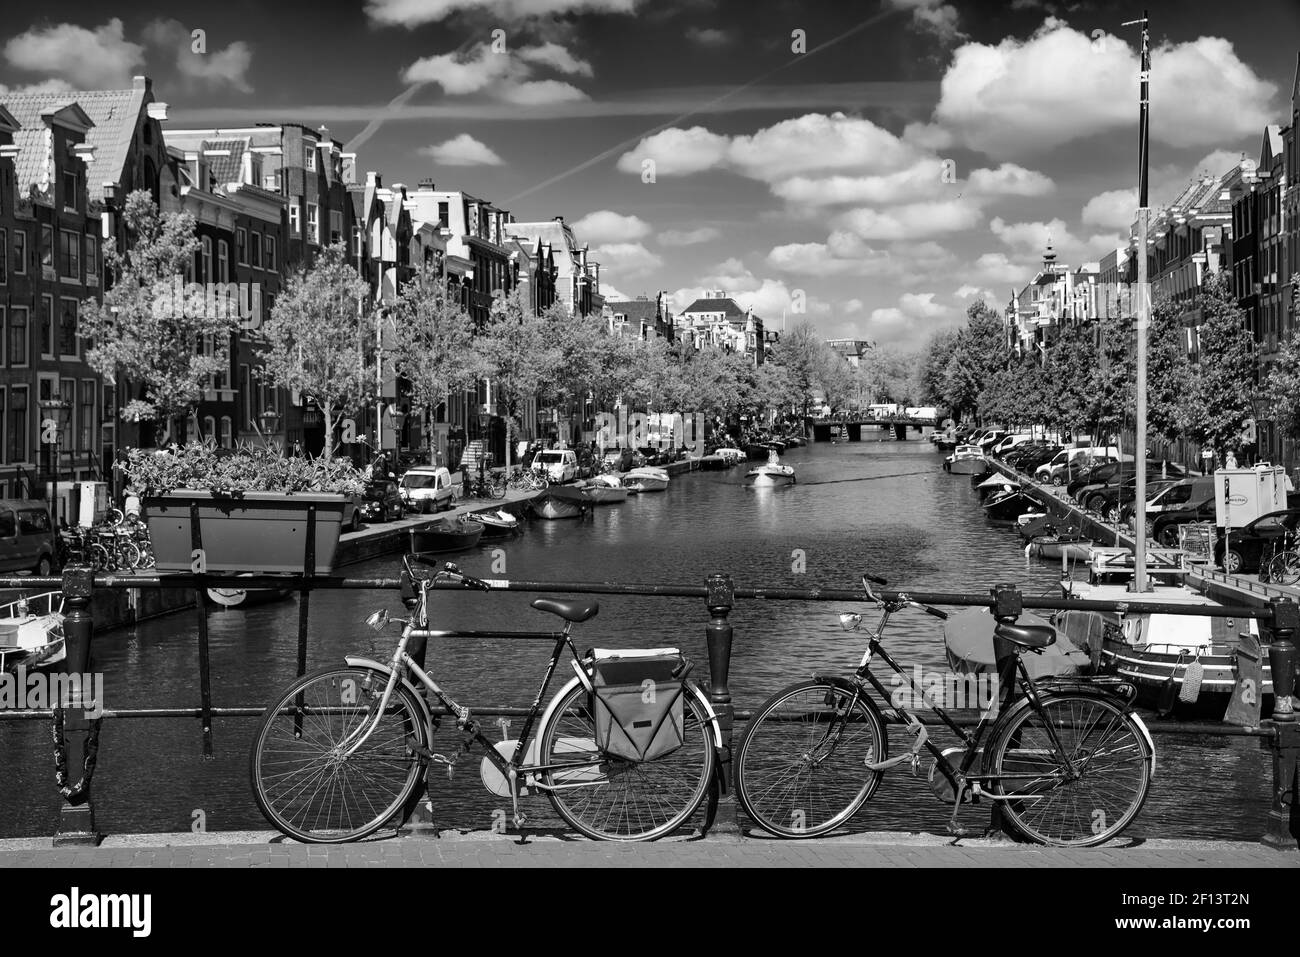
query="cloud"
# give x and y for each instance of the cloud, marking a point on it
(1029, 238)
(852, 306)
(912, 221)
(709, 36)
(507, 75)
(626, 259)
(86, 59)
(607, 226)
(44, 86)
(1114, 209)
(914, 316)
(931, 16)
(462, 150)
(1060, 85)
(677, 152)
(999, 268)
(214, 68)
(1009, 180)
(968, 291)
(414, 13)
(769, 298)
(688, 237)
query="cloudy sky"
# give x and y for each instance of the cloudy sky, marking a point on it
(872, 166)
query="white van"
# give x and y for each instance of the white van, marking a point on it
(1045, 471)
(560, 465)
(1009, 442)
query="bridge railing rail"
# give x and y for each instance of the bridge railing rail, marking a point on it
(77, 717)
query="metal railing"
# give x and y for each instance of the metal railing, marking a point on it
(76, 732)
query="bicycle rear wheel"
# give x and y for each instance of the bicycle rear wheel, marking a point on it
(800, 768)
(303, 781)
(618, 800)
(1284, 569)
(1049, 805)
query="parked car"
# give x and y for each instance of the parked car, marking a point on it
(619, 459)
(1244, 547)
(1111, 499)
(26, 536)
(1164, 526)
(1028, 457)
(990, 439)
(560, 465)
(1008, 442)
(426, 488)
(1069, 461)
(381, 501)
(1115, 472)
(1173, 495)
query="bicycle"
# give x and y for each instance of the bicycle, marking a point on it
(1068, 762)
(341, 750)
(1282, 567)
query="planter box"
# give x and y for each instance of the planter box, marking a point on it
(257, 532)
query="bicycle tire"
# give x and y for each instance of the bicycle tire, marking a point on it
(100, 558)
(669, 789)
(280, 794)
(1284, 569)
(1022, 747)
(496, 489)
(128, 555)
(773, 780)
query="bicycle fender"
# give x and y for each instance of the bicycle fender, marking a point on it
(691, 689)
(1151, 744)
(1023, 703)
(355, 661)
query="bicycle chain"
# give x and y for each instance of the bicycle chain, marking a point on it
(74, 793)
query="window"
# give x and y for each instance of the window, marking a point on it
(246, 394)
(336, 225)
(69, 254)
(205, 258)
(20, 252)
(4, 257)
(443, 220)
(313, 223)
(47, 327)
(92, 259)
(86, 412)
(227, 433)
(209, 426)
(223, 261)
(309, 156)
(17, 344)
(295, 225)
(268, 260)
(241, 246)
(271, 181)
(16, 425)
(68, 327)
(255, 250)
(70, 190)
(47, 248)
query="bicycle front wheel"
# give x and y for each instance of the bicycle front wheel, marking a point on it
(800, 766)
(610, 799)
(1284, 569)
(1088, 800)
(315, 777)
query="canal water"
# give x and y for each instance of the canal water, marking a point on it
(880, 505)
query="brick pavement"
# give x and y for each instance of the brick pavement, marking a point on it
(484, 849)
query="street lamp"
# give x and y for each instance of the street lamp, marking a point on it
(55, 415)
(270, 420)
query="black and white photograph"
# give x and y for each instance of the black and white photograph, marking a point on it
(712, 435)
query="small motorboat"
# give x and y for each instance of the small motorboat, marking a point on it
(31, 632)
(498, 524)
(995, 484)
(965, 460)
(772, 473)
(445, 536)
(244, 597)
(1008, 506)
(606, 490)
(730, 456)
(647, 478)
(1071, 546)
(560, 501)
(1044, 525)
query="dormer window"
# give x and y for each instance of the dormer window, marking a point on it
(310, 156)
(70, 190)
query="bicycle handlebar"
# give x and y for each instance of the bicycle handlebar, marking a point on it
(901, 601)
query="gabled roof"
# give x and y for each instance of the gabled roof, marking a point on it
(114, 114)
(227, 169)
(637, 310)
(725, 305)
(8, 124)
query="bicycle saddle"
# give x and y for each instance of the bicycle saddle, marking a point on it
(1026, 636)
(569, 610)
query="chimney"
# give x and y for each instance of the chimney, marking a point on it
(372, 179)
(141, 83)
(157, 110)
(426, 183)
(558, 219)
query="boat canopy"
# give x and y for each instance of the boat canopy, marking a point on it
(968, 637)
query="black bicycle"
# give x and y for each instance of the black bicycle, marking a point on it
(1067, 759)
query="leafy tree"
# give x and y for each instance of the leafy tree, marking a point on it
(317, 343)
(433, 346)
(147, 334)
(1282, 383)
(802, 353)
(1222, 374)
(978, 353)
(932, 368)
(520, 358)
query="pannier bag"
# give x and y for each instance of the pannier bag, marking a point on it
(639, 702)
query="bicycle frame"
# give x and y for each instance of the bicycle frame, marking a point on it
(1011, 671)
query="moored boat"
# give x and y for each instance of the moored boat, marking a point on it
(647, 478)
(445, 536)
(1056, 546)
(497, 525)
(560, 501)
(766, 475)
(605, 490)
(31, 631)
(731, 456)
(244, 597)
(1008, 506)
(965, 460)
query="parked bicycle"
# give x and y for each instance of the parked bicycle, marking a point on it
(485, 485)
(1281, 566)
(341, 750)
(526, 480)
(1067, 760)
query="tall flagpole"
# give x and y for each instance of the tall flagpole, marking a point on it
(1143, 303)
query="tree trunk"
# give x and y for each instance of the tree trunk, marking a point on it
(328, 413)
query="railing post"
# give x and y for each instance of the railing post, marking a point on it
(1283, 819)
(76, 734)
(717, 635)
(1008, 604)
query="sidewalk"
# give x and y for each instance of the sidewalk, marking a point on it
(485, 849)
